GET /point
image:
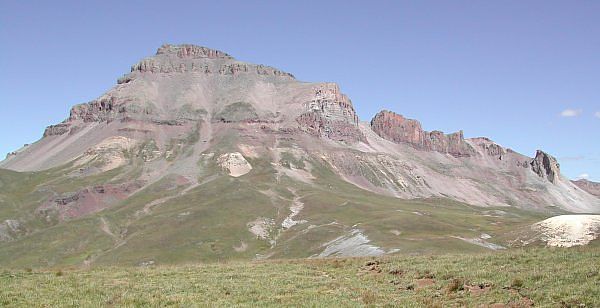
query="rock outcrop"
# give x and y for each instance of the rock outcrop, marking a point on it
(58, 129)
(589, 186)
(330, 114)
(198, 59)
(234, 163)
(489, 147)
(191, 51)
(396, 128)
(546, 166)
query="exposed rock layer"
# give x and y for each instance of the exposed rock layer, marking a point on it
(545, 166)
(331, 114)
(398, 129)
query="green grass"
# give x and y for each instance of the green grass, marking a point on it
(207, 224)
(543, 277)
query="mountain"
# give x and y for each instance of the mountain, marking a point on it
(195, 155)
(589, 186)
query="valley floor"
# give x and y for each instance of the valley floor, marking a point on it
(513, 278)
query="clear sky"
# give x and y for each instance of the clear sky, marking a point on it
(524, 73)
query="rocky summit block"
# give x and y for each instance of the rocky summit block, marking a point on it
(331, 114)
(396, 128)
(546, 166)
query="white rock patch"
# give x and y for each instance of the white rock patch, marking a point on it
(260, 227)
(354, 244)
(110, 151)
(234, 163)
(289, 221)
(481, 242)
(568, 230)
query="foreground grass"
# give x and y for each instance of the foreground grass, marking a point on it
(540, 277)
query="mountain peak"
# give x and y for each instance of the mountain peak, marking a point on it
(191, 51)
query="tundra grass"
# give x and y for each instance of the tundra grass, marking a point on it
(540, 277)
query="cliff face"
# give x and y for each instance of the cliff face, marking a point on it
(330, 114)
(398, 129)
(546, 166)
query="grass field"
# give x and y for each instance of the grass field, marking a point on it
(514, 278)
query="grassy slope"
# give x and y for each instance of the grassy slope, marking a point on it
(544, 277)
(206, 224)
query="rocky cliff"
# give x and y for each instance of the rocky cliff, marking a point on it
(398, 129)
(546, 166)
(330, 114)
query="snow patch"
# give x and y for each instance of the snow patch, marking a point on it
(568, 230)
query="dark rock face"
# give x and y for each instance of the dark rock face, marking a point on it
(398, 129)
(58, 129)
(197, 59)
(98, 110)
(545, 166)
(330, 114)
(588, 186)
(192, 51)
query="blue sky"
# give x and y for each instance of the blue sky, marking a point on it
(524, 73)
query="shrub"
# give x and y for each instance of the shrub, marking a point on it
(516, 283)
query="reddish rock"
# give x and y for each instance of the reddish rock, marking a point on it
(490, 148)
(88, 200)
(588, 186)
(330, 114)
(398, 129)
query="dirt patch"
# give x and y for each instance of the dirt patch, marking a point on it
(372, 267)
(87, 201)
(249, 150)
(478, 289)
